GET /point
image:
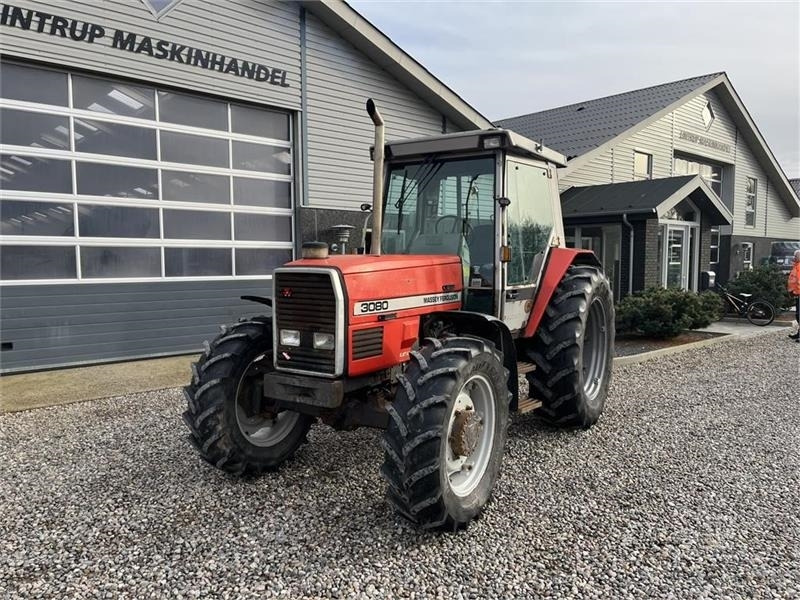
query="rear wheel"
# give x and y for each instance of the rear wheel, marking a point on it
(230, 426)
(444, 444)
(760, 313)
(573, 349)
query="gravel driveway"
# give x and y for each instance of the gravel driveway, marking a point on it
(686, 488)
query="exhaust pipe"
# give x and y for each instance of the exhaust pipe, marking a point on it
(377, 178)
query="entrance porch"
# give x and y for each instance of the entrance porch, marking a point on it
(646, 233)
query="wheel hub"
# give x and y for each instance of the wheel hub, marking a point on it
(466, 433)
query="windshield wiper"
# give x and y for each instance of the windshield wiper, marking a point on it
(401, 200)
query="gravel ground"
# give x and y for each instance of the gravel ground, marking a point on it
(686, 489)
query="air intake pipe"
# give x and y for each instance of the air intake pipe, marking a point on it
(377, 178)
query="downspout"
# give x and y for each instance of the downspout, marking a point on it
(630, 251)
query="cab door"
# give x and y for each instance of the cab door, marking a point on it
(532, 225)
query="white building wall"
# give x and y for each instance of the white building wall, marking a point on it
(252, 30)
(683, 131)
(339, 79)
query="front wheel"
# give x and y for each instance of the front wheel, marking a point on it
(230, 425)
(760, 313)
(444, 444)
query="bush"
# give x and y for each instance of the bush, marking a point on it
(765, 282)
(666, 312)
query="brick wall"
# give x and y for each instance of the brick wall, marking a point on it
(652, 268)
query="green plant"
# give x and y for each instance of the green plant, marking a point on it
(765, 282)
(711, 309)
(666, 312)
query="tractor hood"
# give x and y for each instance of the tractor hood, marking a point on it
(351, 264)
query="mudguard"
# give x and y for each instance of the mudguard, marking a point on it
(494, 330)
(558, 262)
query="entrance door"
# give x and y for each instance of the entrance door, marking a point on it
(677, 257)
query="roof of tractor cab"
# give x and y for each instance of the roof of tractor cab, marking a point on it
(470, 141)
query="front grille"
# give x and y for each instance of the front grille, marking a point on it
(305, 302)
(367, 342)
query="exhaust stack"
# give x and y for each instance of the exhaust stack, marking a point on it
(377, 178)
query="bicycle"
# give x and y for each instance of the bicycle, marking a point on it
(758, 312)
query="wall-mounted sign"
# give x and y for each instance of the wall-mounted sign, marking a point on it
(135, 43)
(704, 141)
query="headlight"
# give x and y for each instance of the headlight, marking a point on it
(323, 341)
(290, 337)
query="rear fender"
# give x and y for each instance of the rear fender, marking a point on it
(558, 262)
(489, 328)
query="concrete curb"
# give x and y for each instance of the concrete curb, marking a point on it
(727, 337)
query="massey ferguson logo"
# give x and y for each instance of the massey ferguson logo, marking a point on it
(404, 303)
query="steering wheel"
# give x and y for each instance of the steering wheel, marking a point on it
(453, 229)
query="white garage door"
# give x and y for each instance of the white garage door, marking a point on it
(103, 180)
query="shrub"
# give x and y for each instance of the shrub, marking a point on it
(666, 312)
(711, 309)
(765, 282)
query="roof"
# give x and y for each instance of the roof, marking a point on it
(583, 134)
(649, 196)
(795, 183)
(362, 34)
(578, 128)
(469, 141)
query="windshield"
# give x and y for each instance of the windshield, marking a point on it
(441, 206)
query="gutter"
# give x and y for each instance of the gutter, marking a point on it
(630, 251)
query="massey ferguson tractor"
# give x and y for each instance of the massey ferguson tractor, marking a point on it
(467, 289)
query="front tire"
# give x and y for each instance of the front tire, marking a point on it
(225, 429)
(573, 349)
(444, 444)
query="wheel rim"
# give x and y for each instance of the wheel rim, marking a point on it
(472, 416)
(760, 313)
(595, 351)
(267, 428)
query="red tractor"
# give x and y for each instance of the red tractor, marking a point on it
(467, 291)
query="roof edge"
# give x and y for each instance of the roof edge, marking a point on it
(688, 188)
(357, 30)
(649, 87)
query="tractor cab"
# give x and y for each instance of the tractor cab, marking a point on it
(489, 197)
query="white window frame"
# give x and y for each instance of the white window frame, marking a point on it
(714, 231)
(747, 263)
(748, 197)
(75, 200)
(637, 176)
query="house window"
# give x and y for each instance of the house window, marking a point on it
(708, 115)
(747, 256)
(711, 173)
(714, 246)
(750, 202)
(642, 166)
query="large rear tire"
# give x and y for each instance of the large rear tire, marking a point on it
(225, 428)
(444, 444)
(573, 349)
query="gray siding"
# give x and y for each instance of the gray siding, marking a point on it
(58, 325)
(339, 81)
(662, 139)
(253, 30)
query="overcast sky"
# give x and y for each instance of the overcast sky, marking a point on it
(511, 58)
